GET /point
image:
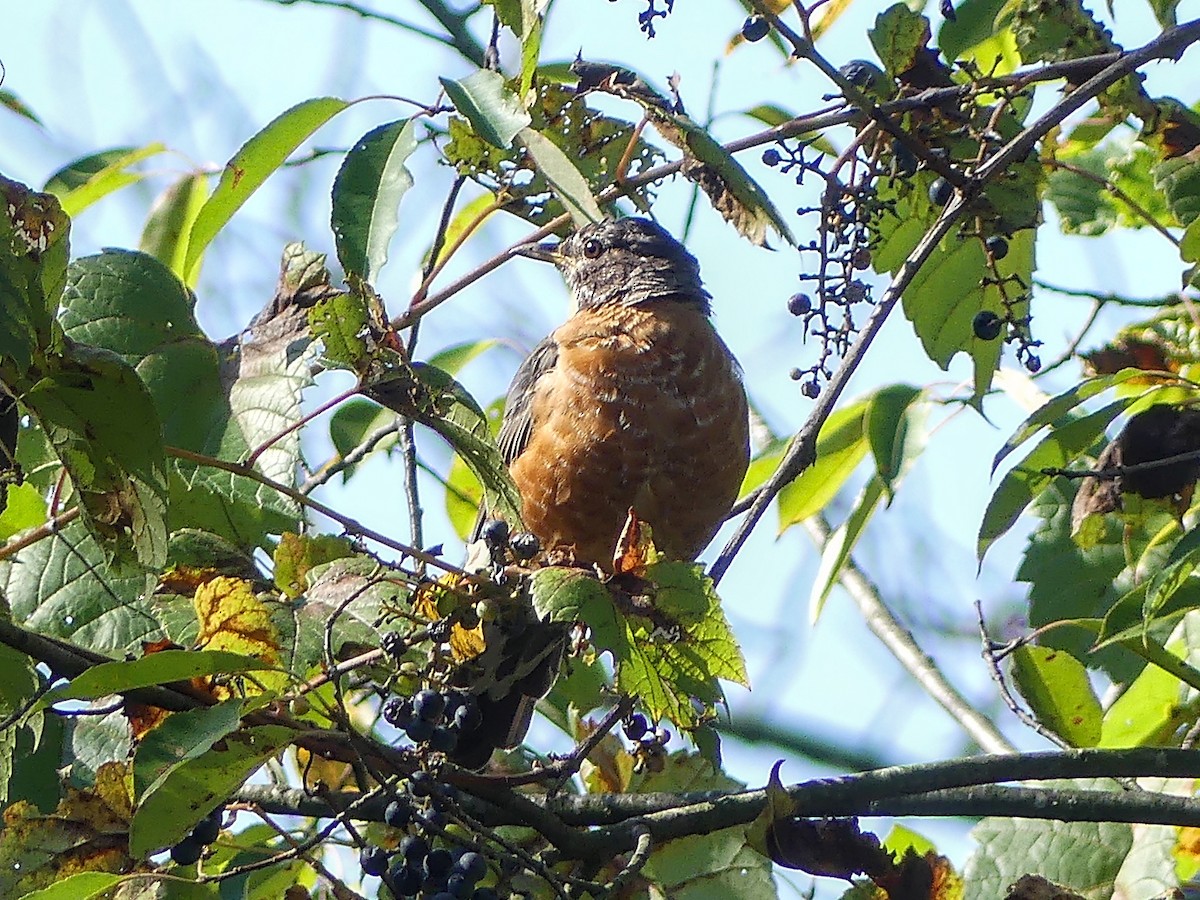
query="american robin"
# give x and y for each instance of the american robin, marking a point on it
(634, 403)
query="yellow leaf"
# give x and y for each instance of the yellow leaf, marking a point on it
(232, 618)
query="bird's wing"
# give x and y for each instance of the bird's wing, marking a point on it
(518, 411)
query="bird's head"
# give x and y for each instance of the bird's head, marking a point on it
(626, 262)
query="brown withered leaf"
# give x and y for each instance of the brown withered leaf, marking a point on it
(635, 547)
(1129, 353)
(1158, 433)
(730, 189)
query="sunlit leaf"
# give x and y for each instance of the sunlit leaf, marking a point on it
(251, 165)
(367, 191)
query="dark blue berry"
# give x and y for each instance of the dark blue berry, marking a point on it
(494, 532)
(755, 28)
(405, 880)
(861, 73)
(186, 852)
(439, 861)
(771, 157)
(435, 887)
(996, 246)
(397, 711)
(940, 192)
(414, 848)
(472, 865)
(421, 783)
(443, 740)
(429, 705)
(208, 828)
(524, 544)
(398, 813)
(986, 325)
(391, 643)
(432, 819)
(635, 725)
(419, 730)
(372, 860)
(459, 886)
(799, 304)
(906, 160)
(467, 717)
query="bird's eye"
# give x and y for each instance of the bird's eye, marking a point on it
(592, 248)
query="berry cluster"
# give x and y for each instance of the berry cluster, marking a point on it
(439, 720)
(188, 851)
(649, 746)
(416, 867)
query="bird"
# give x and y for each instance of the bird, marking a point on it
(634, 403)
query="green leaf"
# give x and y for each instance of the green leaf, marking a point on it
(1082, 204)
(430, 396)
(974, 23)
(1179, 180)
(77, 172)
(356, 420)
(518, 15)
(179, 737)
(493, 110)
(116, 677)
(81, 886)
(453, 358)
(62, 587)
(564, 178)
(15, 104)
(729, 187)
(894, 431)
(841, 544)
(34, 250)
(841, 446)
(341, 323)
(1055, 409)
(899, 36)
(24, 508)
(1178, 570)
(100, 419)
(132, 304)
(679, 656)
(1025, 480)
(1056, 686)
(1147, 714)
(1083, 856)
(194, 787)
(1164, 12)
(572, 595)
(102, 174)
(367, 191)
(165, 234)
(250, 167)
(717, 864)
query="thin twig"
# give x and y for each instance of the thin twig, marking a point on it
(904, 648)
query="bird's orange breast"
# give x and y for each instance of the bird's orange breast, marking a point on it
(644, 408)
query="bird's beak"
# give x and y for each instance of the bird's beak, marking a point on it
(547, 252)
